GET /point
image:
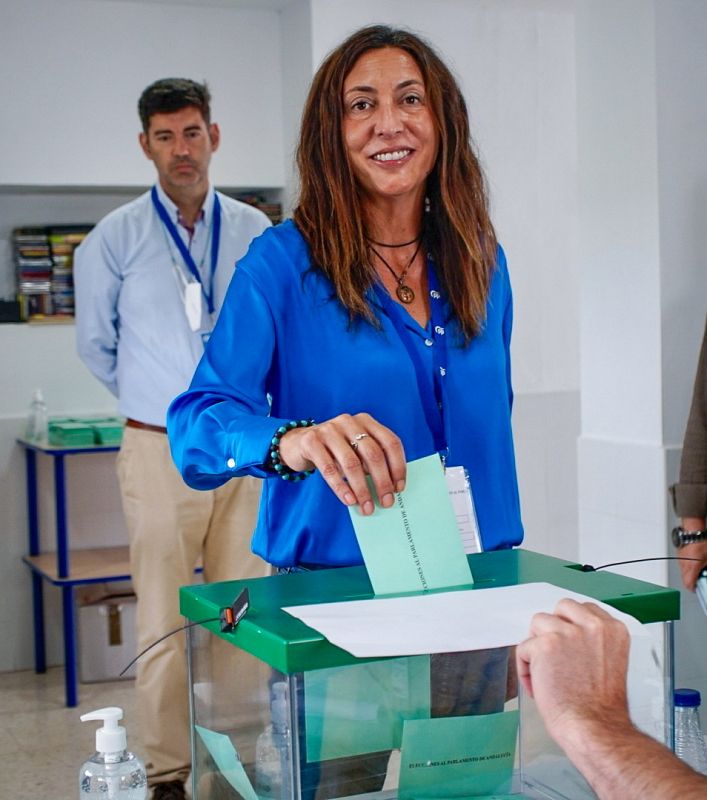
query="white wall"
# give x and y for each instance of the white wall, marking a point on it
(297, 71)
(79, 66)
(643, 173)
(622, 480)
(681, 89)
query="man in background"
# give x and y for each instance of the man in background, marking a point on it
(574, 664)
(150, 280)
(690, 493)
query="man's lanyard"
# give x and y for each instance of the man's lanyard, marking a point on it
(184, 250)
(432, 401)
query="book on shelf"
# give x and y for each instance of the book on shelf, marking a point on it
(44, 258)
(271, 210)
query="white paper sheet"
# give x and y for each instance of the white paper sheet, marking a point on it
(444, 622)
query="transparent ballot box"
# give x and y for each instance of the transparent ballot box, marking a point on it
(279, 712)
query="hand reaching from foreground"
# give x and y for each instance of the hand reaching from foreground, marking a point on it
(574, 664)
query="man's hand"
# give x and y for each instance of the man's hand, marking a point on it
(574, 664)
(691, 569)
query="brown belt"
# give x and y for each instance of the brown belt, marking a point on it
(133, 423)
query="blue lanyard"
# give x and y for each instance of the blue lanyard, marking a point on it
(432, 401)
(184, 251)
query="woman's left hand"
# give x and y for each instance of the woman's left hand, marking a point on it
(345, 449)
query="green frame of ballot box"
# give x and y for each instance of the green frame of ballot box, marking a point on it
(290, 646)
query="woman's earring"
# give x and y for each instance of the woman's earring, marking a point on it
(427, 205)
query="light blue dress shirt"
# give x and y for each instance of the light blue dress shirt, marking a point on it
(131, 326)
(282, 336)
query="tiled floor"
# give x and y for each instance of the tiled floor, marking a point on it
(42, 743)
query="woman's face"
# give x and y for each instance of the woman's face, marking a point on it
(389, 130)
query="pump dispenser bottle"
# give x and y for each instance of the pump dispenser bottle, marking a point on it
(37, 421)
(112, 772)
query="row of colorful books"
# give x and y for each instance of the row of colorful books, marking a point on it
(271, 210)
(44, 258)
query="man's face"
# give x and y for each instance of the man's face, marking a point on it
(180, 145)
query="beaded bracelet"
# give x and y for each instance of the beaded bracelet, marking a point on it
(274, 460)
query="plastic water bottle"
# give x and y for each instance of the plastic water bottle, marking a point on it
(37, 421)
(273, 776)
(112, 772)
(689, 740)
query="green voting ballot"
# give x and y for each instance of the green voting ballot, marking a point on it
(430, 711)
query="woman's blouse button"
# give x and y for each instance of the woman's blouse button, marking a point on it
(429, 342)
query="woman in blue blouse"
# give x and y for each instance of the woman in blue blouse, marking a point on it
(382, 312)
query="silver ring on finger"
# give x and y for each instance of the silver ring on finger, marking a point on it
(357, 438)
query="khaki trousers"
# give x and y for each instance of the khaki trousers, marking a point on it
(170, 527)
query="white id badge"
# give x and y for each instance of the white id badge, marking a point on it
(192, 304)
(459, 489)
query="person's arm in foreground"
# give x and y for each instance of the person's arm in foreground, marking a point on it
(574, 664)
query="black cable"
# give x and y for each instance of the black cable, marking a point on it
(590, 568)
(166, 636)
(229, 619)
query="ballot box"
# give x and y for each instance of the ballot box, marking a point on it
(279, 711)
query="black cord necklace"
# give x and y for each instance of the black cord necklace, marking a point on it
(404, 292)
(402, 244)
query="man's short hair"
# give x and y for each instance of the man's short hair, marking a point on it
(173, 94)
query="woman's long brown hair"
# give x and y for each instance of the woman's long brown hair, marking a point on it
(458, 231)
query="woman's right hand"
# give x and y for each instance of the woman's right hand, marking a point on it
(345, 449)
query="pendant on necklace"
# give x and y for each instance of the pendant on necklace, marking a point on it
(405, 294)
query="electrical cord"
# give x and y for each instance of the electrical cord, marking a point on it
(166, 636)
(229, 618)
(590, 568)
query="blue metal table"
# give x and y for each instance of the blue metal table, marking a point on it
(65, 569)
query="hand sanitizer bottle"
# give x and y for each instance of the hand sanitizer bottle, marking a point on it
(111, 773)
(37, 421)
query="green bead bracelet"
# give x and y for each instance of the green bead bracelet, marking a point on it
(274, 461)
